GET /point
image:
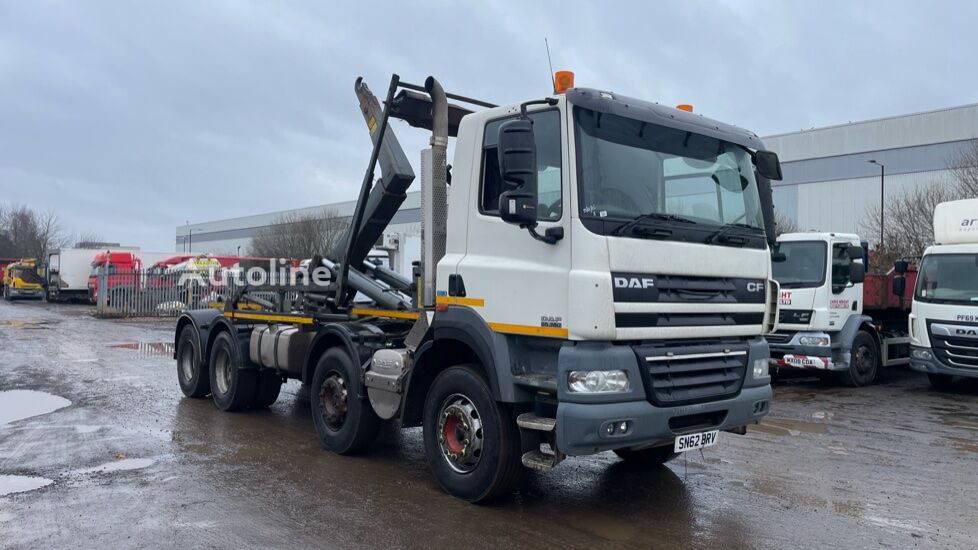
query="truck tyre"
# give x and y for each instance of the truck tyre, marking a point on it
(345, 421)
(941, 381)
(471, 441)
(653, 456)
(269, 386)
(863, 363)
(193, 376)
(6, 293)
(232, 387)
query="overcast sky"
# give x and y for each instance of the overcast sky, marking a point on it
(129, 118)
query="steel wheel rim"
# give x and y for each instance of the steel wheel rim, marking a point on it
(333, 401)
(187, 364)
(460, 433)
(864, 360)
(223, 374)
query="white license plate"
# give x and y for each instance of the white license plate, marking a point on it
(691, 442)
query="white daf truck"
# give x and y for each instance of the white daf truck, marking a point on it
(598, 279)
(944, 319)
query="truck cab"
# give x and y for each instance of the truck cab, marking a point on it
(944, 319)
(22, 280)
(833, 316)
(120, 268)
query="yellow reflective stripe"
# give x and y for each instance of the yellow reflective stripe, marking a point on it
(529, 329)
(279, 318)
(385, 313)
(460, 301)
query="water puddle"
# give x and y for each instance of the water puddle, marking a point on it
(21, 484)
(20, 404)
(786, 426)
(148, 349)
(119, 466)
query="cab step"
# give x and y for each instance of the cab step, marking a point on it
(539, 460)
(530, 421)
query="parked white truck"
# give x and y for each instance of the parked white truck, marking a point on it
(944, 319)
(68, 271)
(834, 317)
(598, 279)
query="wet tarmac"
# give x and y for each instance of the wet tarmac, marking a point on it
(98, 448)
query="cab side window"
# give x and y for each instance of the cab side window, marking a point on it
(546, 134)
(841, 263)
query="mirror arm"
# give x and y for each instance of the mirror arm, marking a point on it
(548, 101)
(550, 236)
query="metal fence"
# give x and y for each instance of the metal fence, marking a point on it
(145, 293)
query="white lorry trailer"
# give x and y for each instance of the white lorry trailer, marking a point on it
(598, 279)
(68, 271)
(944, 319)
(834, 317)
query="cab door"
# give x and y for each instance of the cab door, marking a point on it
(519, 284)
(845, 298)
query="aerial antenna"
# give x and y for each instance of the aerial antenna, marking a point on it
(553, 83)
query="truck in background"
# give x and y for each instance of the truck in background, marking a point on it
(598, 279)
(944, 319)
(833, 315)
(21, 280)
(121, 272)
(68, 274)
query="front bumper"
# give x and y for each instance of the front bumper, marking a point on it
(26, 292)
(581, 427)
(935, 366)
(793, 355)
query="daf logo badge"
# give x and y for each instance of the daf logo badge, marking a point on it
(634, 282)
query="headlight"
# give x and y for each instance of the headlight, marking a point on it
(760, 368)
(921, 354)
(814, 340)
(597, 381)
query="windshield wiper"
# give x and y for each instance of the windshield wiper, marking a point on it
(722, 232)
(650, 216)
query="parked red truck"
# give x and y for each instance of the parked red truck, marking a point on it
(122, 272)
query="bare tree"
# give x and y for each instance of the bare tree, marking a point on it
(783, 224)
(27, 233)
(964, 168)
(299, 235)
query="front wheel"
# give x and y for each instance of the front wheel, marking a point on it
(941, 381)
(863, 362)
(471, 441)
(344, 421)
(653, 456)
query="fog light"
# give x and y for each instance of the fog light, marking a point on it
(921, 354)
(814, 340)
(597, 381)
(760, 368)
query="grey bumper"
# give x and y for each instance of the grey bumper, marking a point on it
(581, 427)
(935, 366)
(26, 293)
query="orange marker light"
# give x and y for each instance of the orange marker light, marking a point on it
(563, 81)
(685, 107)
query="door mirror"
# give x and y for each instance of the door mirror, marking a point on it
(899, 285)
(777, 255)
(768, 165)
(518, 170)
(857, 273)
(766, 197)
(900, 266)
(855, 252)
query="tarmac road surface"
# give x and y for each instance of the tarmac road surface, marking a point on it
(98, 448)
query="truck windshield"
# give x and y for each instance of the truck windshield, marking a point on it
(804, 264)
(26, 274)
(948, 278)
(629, 168)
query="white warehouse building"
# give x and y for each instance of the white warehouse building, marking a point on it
(828, 179)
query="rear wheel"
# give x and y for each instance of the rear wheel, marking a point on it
(232, 387)
(471, 441)
(269, 386)
(863, 363)
(193, 376)
(344, 421)
(653, 456)
(941, 381)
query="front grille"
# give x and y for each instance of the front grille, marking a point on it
(697, 372)
(641, 320)
(778, 337)
(795, 316)
(653, 287)
(951, 349)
